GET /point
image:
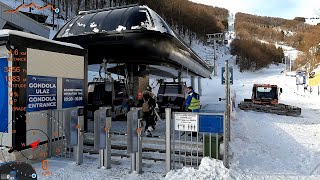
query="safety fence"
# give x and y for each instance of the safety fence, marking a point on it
(65, 131)
(191, 136)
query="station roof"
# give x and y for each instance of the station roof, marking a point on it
(7, 32)
(131, 34)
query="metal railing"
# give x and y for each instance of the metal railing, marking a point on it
(65, 131)
(191, 136)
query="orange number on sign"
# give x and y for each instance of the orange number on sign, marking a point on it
(45, 165)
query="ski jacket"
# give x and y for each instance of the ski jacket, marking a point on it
(193, 101)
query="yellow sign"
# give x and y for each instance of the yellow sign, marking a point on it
(315, 81)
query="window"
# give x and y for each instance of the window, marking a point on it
(137, 18)
(112, 21)
(170, 89)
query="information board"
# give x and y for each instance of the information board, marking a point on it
(186, 122)
(41, 93)
(72, 92)
(211, 123)
(300, 79)
(3, 95)
(224, 75)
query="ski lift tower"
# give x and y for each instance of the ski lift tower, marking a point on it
(214, 38)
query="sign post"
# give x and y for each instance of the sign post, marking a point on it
(226, 135)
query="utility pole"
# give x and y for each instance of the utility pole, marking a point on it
(226, 123)
(214, 37)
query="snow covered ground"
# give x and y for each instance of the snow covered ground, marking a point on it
(263, 146)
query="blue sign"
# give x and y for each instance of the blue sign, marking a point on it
(41, 93)
(3, 96)
(72, 92)
(211, 123)
(224, 75)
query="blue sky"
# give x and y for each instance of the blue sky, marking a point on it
(276, 8)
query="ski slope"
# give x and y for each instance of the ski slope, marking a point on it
(267, 146)
(263, 146)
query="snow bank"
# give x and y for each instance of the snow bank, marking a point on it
(208, 169)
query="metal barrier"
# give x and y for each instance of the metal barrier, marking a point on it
(134, 139)
(66, 125)
(78, 150)
(208, 128)
(102, 139)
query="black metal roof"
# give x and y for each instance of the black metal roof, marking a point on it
(130, 34)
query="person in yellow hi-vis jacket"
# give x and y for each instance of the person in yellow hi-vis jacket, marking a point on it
(193, 100)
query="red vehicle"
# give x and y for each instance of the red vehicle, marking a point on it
(265, 98)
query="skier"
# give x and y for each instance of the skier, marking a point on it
(148, 104)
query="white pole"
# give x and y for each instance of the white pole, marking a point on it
(168, 139)
(290, 63)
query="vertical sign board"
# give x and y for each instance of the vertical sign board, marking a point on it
(186, 122)
(224, 75)
(3, 95)
(41, 93)
(18, 82)
(72, 92)
(211, 123)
